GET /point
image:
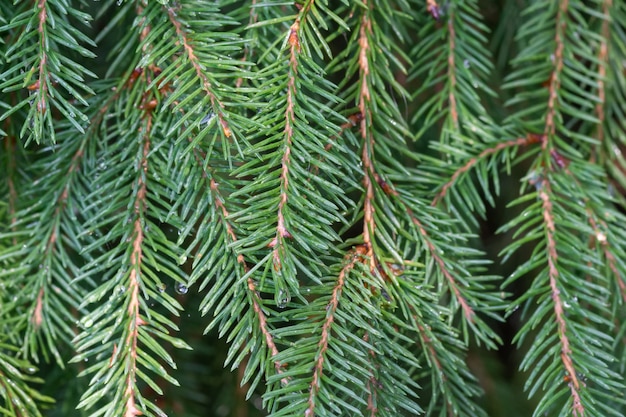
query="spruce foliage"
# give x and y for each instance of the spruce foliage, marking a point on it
(298, 190)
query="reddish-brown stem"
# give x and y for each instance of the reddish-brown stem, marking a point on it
(353, 120)
(452, 71)
(256, 306)
(467, 310)
(353, 257)
(603, 62)
(41, 83)
(553, 274)
(431, 349)
(281, 229)
(602, 239)
(367, 155)
(135, 321)
(555, 78)
(200, 73)
(37, 317)
(545, 195)
(472, 162)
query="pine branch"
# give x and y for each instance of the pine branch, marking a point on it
(558, 171)
(42, 54)
(15, 376)
(319, 179)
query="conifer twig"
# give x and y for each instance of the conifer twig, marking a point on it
(140, 207)
(452, 71)
(41, 84)
(473, 161)
(603, 61)
(566, 353)
(269, 339)
(545, 195)
(367, 155)
(200, 73)
(352, 258)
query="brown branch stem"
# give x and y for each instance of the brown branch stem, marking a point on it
(254, 294)
(553, 274)
(200, 73)
(467, 310)
(140, 207)
(555, 79)
(367, 155)
(281, 229)
(353, 257)
(41, 83)
(472, 162)
(452, 71)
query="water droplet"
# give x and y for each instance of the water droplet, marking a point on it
(86, 322)
(161, 287)
(182, 259)
(466, 63)
(30, 370)
(282, 298)
(181, 288)
(208, 118)
(122, 288)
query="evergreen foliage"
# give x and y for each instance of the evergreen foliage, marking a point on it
(298, 190)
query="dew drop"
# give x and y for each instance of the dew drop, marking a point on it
(86, 323)
(161, 287)
(182, 259)
(282, 298)
(466, 63)
(181, 288)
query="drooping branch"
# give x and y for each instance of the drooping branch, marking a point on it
(452, 71)
(555, 78)
(352, 258)
(200, 73)
(566, 353)
(603, 61)
(254, 294)
(135, 320)
(367, 154)
(474, 161)
(281, 229)
(42, 82)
